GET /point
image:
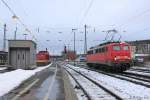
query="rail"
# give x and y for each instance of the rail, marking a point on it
(100, 86)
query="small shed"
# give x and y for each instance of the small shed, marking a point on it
(22, 54)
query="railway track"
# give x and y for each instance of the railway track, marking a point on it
(138, 75)
(127, 76)
(135, 76)
(97, 92)
(140, 70)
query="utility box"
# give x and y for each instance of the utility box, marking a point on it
(21, 54)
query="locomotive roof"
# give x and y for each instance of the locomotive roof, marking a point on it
(105, 43)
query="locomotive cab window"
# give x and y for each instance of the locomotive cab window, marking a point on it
(116, 48)
(126, 48)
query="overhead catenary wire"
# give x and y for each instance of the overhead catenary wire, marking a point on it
(86, 12)
(135, 17)
(4, 2)
(21, 5)
(20, 21)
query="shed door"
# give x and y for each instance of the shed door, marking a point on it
(19, 65)
(13, 58)
(27, 57)
(23, 58)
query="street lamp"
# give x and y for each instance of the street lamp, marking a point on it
(15, 18)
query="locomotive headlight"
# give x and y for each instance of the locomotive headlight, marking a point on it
(121, 57)
(117, 57)
(129, 58)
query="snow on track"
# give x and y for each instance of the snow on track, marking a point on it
(140, 73)
(95, 92)
(136, 67)
(125, 89)
(80, 94)
(10, 80)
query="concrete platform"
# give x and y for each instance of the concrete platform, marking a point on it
(37, 87)
(49, 84)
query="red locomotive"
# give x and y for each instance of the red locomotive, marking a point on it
(42, 58)
(114, 56)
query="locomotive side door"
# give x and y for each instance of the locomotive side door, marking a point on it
(108, 55)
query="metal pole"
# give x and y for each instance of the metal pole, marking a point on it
(15, 34)
(4, 41)
(25, 36)
(74, 44)
(85, 40)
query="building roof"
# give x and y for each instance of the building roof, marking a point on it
(24, 40)
(3, 52)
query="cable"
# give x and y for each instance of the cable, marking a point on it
(8, 7)
(11, 10)
(145, 29)
(135, 17)
(21, 5)
(86, 12)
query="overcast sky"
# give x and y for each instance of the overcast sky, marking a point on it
(55, 16)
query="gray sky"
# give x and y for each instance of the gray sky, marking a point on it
(54, 16)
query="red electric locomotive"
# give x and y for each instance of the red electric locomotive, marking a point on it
(114, 56)
(42, 58)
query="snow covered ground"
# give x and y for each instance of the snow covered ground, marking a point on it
(2, 68)
(10, 80)
(94, 91)
(79, 92)
(125, 89)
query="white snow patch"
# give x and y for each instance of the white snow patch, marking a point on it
(2, 68)
(136, 67)
(10, 80)
(79, 92)
(95, 92)
(140, 73)
(125, 89)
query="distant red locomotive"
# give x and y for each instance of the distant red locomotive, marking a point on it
(42, 58)
(114, 56)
